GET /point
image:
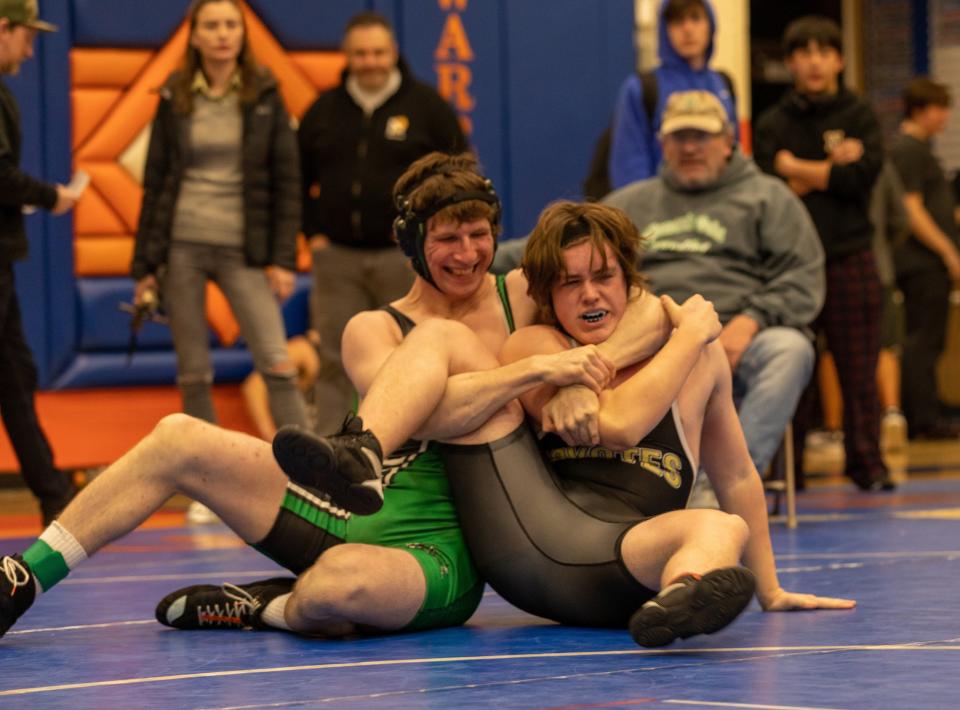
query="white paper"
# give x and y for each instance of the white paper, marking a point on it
(78, 184)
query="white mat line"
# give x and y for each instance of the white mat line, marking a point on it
(470, 659)
(82, 627)
(718, 704)
(180, 576)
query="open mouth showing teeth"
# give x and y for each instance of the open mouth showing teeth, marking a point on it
(594, 316)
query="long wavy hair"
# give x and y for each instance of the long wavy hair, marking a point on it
(192, 62)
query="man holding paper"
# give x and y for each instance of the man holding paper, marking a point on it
(18, 373)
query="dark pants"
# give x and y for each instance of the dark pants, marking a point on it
(925, 299)
(18, 384)
(850, 320)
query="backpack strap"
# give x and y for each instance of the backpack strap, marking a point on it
(651, 93)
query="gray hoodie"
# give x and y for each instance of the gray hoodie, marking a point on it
(746, 243)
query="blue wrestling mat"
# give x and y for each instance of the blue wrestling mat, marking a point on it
(92, 641)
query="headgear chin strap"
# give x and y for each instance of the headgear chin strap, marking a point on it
(410, 226)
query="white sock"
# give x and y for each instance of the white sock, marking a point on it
(273, 614)
(60, 539)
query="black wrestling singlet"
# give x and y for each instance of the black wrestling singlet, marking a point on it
(651, 478)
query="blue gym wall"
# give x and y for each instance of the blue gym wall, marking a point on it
(544, 77)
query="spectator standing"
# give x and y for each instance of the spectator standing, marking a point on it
(19, 26)
(221, 202)
(928, 262)
(355, 141)
(827, 145)
(685, 46)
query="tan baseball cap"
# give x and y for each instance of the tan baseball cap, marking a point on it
(699, 110)
(24, 12)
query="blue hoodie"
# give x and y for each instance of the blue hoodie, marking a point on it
(635, 149)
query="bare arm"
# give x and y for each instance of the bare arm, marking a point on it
(620, 422)
(657, 384)
(641, 332)
(441, 382)
(472, 398)
(926, 231)
(800, 174)
(726, 459)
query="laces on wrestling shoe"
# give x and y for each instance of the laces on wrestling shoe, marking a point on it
(347, 465)
(693, 605)
(229, 606)
(17, 590)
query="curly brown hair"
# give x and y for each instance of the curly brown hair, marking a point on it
(437, 176)
(565, 224)
(183, 82)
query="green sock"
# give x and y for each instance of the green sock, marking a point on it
(53, 555)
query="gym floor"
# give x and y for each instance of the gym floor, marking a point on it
(92, 640)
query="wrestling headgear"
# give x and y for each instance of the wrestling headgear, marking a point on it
(410, 226)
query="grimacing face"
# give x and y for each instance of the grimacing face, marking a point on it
(371, 55)
(589, 299)
(696, 157)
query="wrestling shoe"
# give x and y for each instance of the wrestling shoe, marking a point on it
(17, 590)
(229, 606)
(341, 465)
(693, 605)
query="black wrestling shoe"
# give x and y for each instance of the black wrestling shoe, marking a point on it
(693, 606)
(17, 590)
(337, 465)
(229, 606)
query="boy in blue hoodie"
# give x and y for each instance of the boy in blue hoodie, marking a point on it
(685, 48)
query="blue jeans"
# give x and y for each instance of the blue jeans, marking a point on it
(767, 385)
(247, 290)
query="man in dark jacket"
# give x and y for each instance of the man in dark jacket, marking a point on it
(355, 141)
(18, 373)
(826, 144)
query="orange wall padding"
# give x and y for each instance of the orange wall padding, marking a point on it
(106, 255)
(322, 68)
(98, 67)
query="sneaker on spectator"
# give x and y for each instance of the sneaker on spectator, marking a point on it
(893, 432)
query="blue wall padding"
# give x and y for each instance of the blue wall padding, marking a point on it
(125, 23)
(59, 280)
(544, 78)
(482, 22)
(31, 273)
(317, 25)
(149, 367)
(563, 72)
(104, 327)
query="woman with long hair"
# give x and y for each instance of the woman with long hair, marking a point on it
(221, 202)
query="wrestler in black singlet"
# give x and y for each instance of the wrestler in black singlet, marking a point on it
(547, 536)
